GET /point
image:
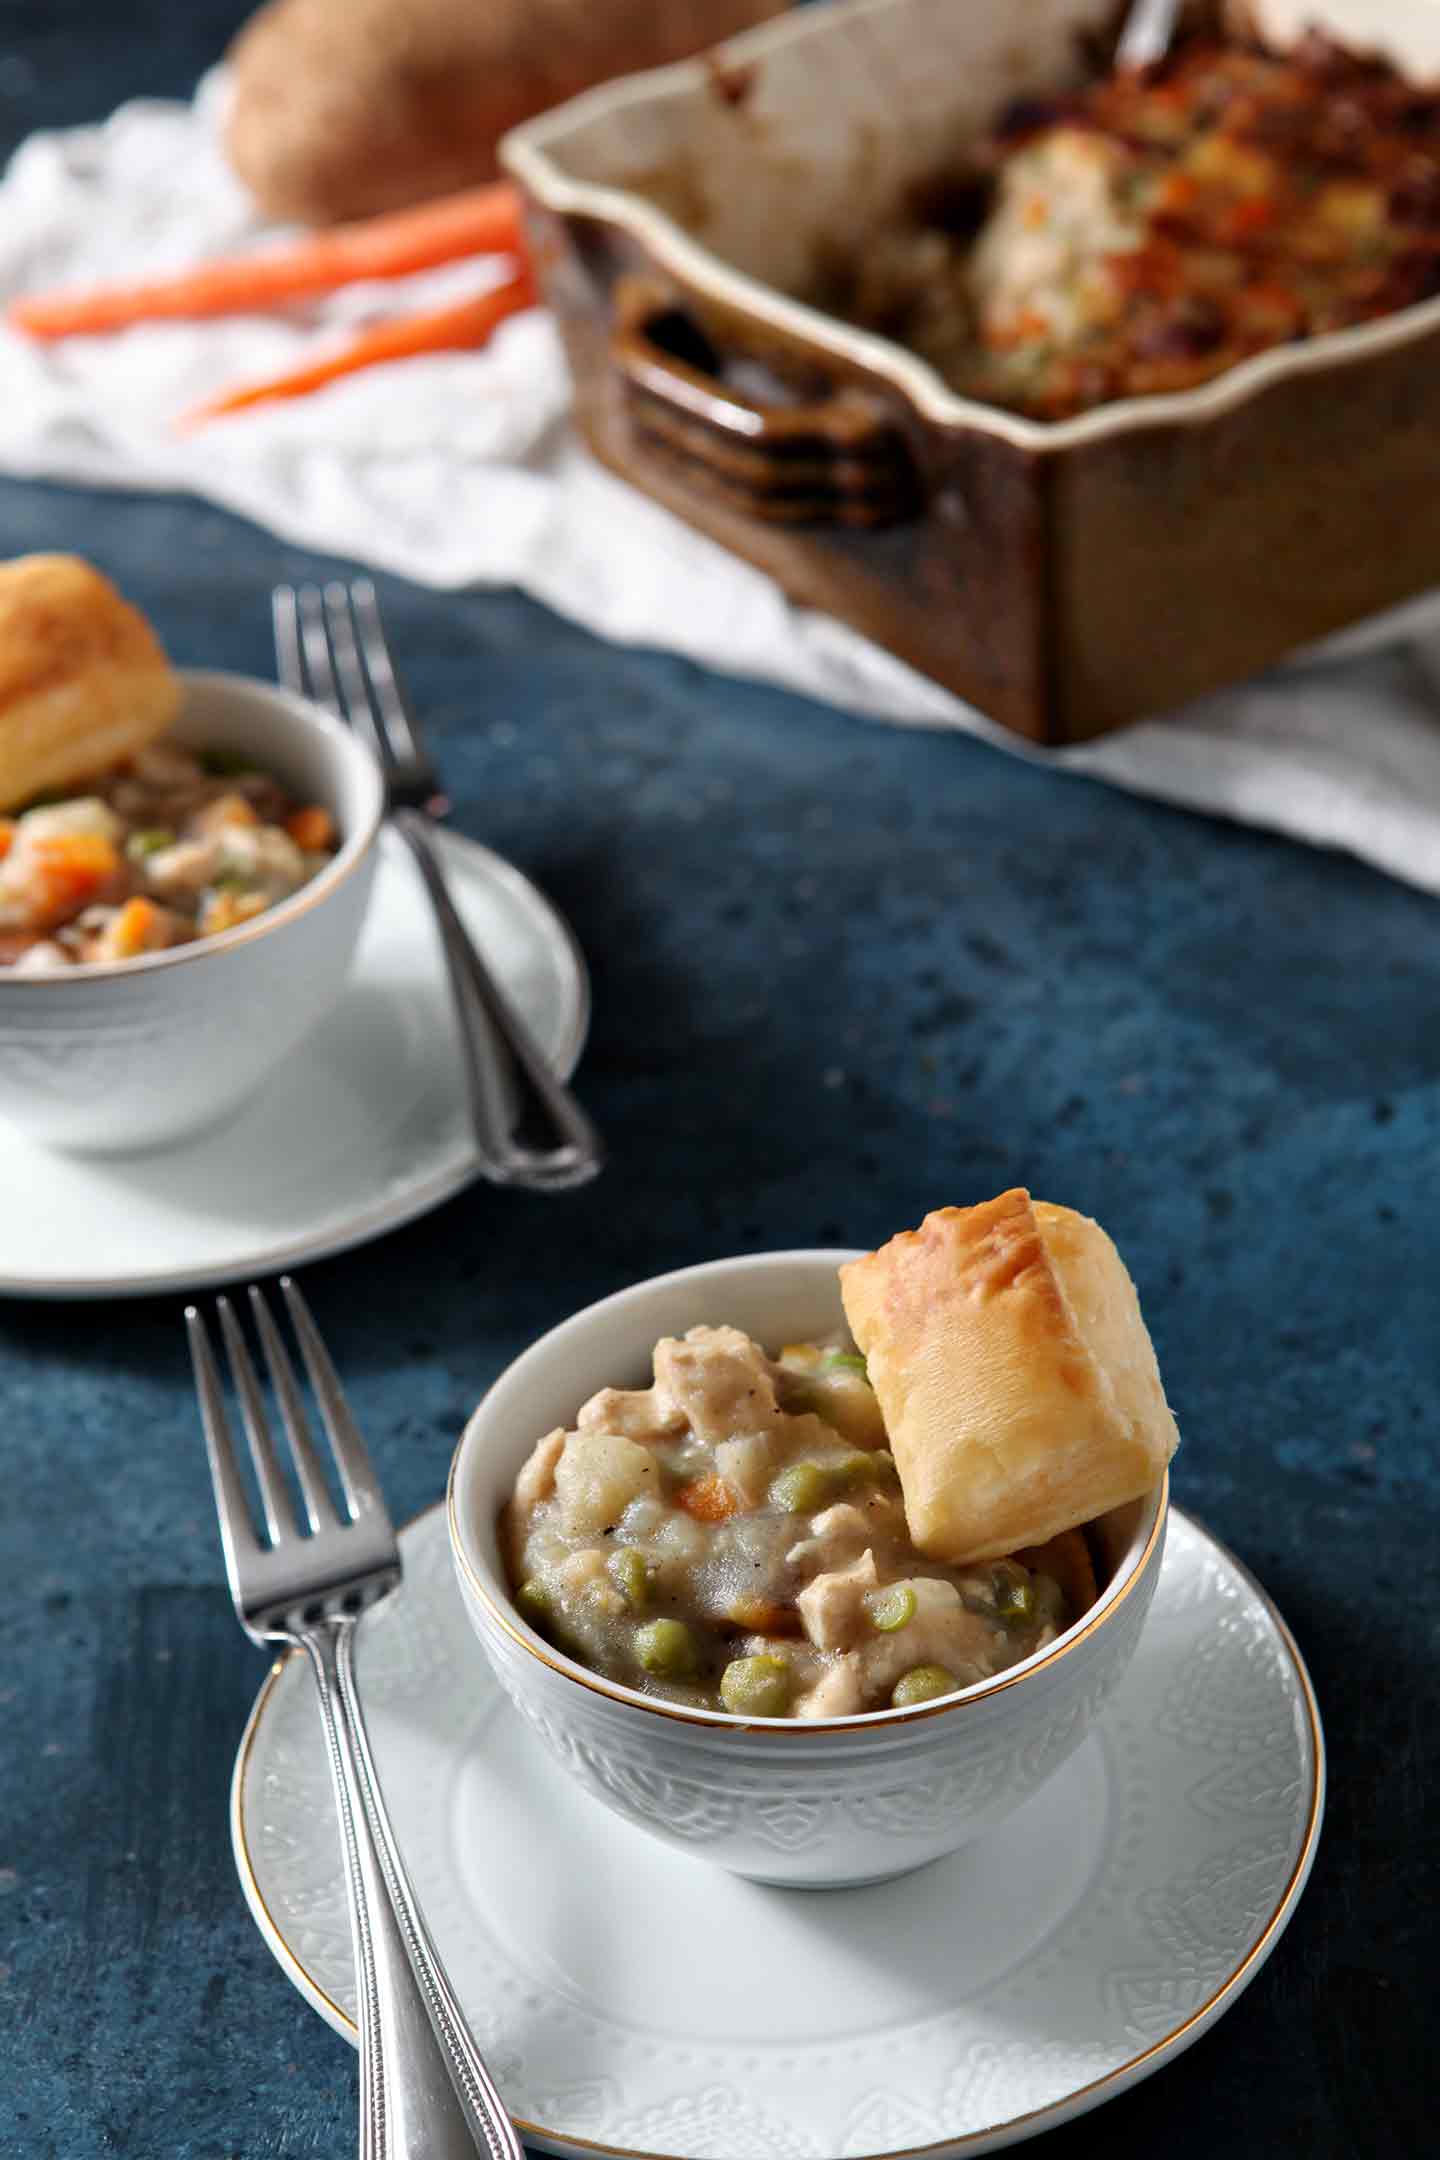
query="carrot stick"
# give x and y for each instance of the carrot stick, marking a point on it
(472, 322)
(479, 221)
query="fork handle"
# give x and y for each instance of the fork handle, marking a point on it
(501, 1059)
(425, 2094)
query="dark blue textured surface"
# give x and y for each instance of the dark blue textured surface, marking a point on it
(841, 974)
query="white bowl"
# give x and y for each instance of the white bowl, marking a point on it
(141, 1051)
(829, 1801)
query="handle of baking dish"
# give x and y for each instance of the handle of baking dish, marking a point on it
(839, 458)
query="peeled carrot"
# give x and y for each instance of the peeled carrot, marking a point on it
(7, 836)
(468, 323)
(479, 221)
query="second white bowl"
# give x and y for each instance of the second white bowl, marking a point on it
(121, 1057)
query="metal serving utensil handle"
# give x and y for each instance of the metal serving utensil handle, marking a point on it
(505, 1072)
(424, 2092)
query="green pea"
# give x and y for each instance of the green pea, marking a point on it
(149, 842)
(867, 1466)
(533, 1600)
(667, 1647)
(1015, 1603)
(756, 1687)
(922, 1684)
(802, 1488)
(893, 1607)
(627, 1570)
(847, 1361)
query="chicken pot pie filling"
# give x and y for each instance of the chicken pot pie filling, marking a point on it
(165, 847)
(734, 1538)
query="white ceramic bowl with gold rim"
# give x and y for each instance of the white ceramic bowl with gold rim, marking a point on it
(822, 1802)
(108, 1059)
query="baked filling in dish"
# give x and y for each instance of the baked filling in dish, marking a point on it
(1147, 231)
(166, 847)
(733, 1537)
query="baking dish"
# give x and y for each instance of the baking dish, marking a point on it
(1064, 577)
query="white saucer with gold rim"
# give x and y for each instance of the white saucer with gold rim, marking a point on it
(363, 1126)
(633, 1999)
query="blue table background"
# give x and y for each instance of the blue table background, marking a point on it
(841, 974)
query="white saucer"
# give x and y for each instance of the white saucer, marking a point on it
(362, 1128)
(633, 2000)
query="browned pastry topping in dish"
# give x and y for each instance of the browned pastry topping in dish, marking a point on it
(1146, 232)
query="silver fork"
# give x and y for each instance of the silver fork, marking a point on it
(331, 647)
(425, 2094)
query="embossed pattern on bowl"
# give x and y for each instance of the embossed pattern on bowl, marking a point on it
(827, 1802)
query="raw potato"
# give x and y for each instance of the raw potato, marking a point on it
(1017, 1377)
(343, 108)
(83, 679)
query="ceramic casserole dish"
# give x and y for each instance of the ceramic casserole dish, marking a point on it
(1065, 577)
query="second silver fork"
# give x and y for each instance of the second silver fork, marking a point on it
(332, 648)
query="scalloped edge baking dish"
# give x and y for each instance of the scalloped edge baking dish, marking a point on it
(1066, 577)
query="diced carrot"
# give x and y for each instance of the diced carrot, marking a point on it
(478, 221)
(709, 1500)
(132, 929)
(311, 828)
(450, 329)
(761, 1616)
(70, 869)
(7, 836)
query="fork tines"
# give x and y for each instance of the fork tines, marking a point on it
(330, 646)
(341, 1560)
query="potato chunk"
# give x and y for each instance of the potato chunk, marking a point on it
(599, 1474)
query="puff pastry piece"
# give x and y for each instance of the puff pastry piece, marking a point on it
(83, 679)
(1016, 1375)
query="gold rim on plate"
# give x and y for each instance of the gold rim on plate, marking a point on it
(1078, 2102)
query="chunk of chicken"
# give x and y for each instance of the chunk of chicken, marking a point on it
(635, 1412)
(940, 1632)
(536, 1481)
(720, 1382)
(837, 1534)
(833, 1606)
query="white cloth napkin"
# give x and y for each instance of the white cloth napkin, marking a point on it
(458, 469)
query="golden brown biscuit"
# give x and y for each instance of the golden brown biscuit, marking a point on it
(83, 679)
(1017, 1377)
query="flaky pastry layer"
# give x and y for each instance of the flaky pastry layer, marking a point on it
(1016, 1375)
